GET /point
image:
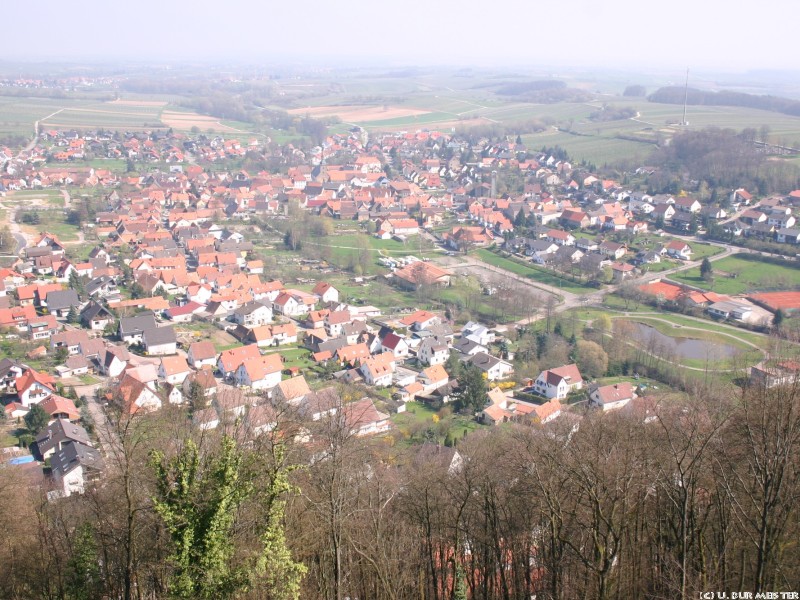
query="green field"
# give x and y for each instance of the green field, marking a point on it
(53, 221)
(420, 417)
(743, 273)
(531, 272)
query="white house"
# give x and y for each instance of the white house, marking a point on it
(378, 370)
(252, 314)
(326, 292)
(173, 369)
(557, 383)
(495, 368)
(160, 341)
(261, 373)
(610, 397)
(433, 351)
(395, 344)
(201, 354)
(74, 466)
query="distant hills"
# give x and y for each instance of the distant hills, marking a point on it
(675, 95)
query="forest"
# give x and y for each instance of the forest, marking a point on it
(676, 95)
(668, 500)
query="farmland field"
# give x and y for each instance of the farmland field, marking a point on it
(742, 273)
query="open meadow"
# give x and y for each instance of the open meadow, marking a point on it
(743, 273)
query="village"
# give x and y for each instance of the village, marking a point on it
(163, 297)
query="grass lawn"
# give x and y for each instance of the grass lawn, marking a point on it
(417, 415)
(742, 273)
(54, 221)
(293, 356)
(531, 272)
(701, 251)
(7, 440)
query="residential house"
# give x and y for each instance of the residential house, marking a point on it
(478, 333)
(378, 370)
(202, 354)
(203, 378)
(621, 271)
(60, 408)
(135, 394)
(612, 250)
(362, 418)
(60, 302)
(433, 351)
(73, 467)
(229, 360)
(679, 249)
(433, 377)
(95, 316)
(33, 387)
(159, 341)
(131, 329)
(495, 368)
(260, 373)
(58, 435)
(325, 292)
(292, 391)
(688, 204)
(173, 369)
(252, 314)
(112, 360)
(611, 397)
(559, 382)
(10, 371)
(395, 344)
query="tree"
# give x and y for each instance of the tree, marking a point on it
(592, 360)
(197, 500)
(471, 394)
(36, 419)
(83, 579)
(196, 396)
(706, 270)
(73, 318)
(137, 291)
(777, 319)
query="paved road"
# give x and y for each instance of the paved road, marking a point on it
(105, 432)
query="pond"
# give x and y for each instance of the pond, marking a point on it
(691, 348)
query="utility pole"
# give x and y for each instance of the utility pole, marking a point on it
(685, 123)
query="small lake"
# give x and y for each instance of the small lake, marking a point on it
(649, 337)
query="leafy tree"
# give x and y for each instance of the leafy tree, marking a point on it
(83, 578)
(197, 501)
(198, 498)
(36, 419)
(471, 394)
(706, 270)
(777, 319)
(592, 360)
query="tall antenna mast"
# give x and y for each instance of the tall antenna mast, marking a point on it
(685, 98)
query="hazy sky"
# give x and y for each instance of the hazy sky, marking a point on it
(724, 34)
